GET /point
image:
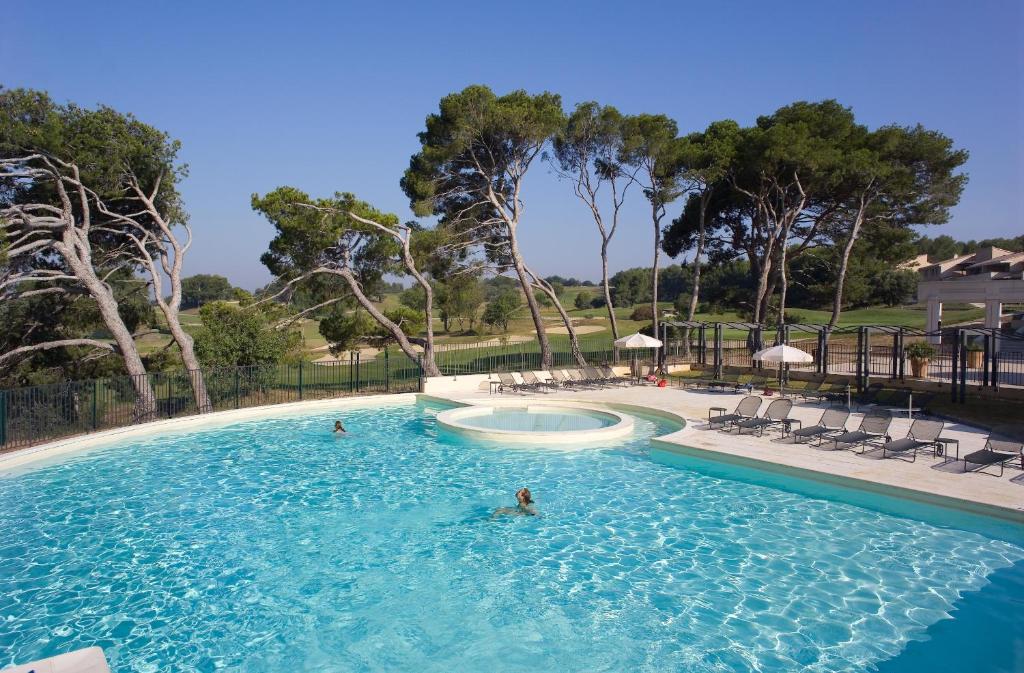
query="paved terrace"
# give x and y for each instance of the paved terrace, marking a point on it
(928, 477)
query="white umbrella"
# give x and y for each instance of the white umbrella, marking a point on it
(637, 341)
(783, 355)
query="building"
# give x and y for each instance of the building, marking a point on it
(990, 276)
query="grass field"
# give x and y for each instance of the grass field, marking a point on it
(596, 320)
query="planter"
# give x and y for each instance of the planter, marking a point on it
(975, 359)
(919, 367)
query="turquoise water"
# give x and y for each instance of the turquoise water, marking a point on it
(540, 421)
(278, 546)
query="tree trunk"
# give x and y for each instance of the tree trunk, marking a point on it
(191, 362)
(844, 264)
(607, 290)
(546, 359)
(760, 303)
(695, 293)
(145, 399)
(574, 342)
(429, 366)
(654, 275)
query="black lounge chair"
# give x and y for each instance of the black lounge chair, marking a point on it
(832, 422)
(612, 377)
(996, 452)
(506, 382)
(532, 380)
(563, 379)
(727, 381)
(922, 433)
(579, 377)
(874, 426)
(747, 408)
(777, 413)
(809, 391)
(597, 376)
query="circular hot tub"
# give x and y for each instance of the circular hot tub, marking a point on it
(537, 423)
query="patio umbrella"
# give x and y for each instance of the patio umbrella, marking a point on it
(783, 355)
(637, 341)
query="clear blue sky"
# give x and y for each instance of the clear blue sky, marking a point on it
(329, 96)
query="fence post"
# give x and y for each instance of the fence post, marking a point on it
(95, 394)
(387, 372)
(170, 395)
(860, 360)
(893, 366)
(984, 362)
(718, 350)
(702, 342)
(238, 400)
(956, 364)
(359, 355)
(300, 380)
(900, 358)
(963, 356)
(351, 362)
(3, 417)
(419, 366)
(995, 361)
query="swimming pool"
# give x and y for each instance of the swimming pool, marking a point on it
(275, 545)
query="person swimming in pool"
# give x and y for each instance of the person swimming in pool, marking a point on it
(338, 427)
(524, 505)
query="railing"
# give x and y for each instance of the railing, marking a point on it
(36, 414)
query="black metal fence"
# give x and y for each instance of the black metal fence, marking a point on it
(984, 357)
(37, 414)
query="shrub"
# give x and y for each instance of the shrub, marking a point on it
(644, 312)
(920, 350)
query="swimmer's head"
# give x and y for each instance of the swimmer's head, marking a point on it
(338, 427)
(523, 497)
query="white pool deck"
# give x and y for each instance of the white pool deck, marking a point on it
(936, 480)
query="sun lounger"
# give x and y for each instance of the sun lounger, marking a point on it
(727, 381)
(579, 378)
(531, 379)
(874, 425)
(832, 421)
(996, 452)
(596, 376)
(612, 377)
(922, 433)
(747, 408)
(563, 379)
(777, 413)
(506, 382)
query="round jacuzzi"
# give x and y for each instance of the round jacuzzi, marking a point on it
(537, 423)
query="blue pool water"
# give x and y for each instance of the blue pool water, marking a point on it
(277, 546)
(540, 420)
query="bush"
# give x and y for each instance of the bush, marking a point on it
(920, 350)
(597, 302)
(582, 300)
(644, 312)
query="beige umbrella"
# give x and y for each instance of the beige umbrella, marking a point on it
(781, 355)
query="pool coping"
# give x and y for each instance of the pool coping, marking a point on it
(451, 420)
(77, 443)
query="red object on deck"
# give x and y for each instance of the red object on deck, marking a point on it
(662, 383)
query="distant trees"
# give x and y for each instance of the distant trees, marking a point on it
(501, 310)
(236, 336)
(203, 288)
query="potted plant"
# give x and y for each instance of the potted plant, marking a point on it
(975, 354)
(919, 353)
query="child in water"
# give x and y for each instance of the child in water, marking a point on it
(523, 507)
(338, 427)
